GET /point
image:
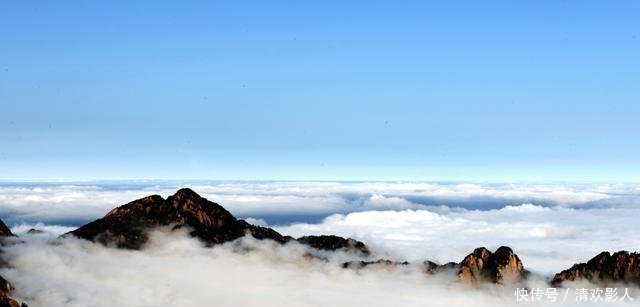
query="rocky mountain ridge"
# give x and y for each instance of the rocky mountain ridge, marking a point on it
(604, 269)
(126, 226)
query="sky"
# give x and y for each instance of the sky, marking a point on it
(335, 90)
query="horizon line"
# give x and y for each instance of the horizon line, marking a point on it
(319, 180)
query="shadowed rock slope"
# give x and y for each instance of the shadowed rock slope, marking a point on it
(332, 243)
(5, 286)
(4, 230)
(5, 300)
(604, 269)
(127, 225)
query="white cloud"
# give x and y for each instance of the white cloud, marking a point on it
(177, 271)
(547, 239)
(21, 229)
(381, 202)
(549, 226)
(64, 204)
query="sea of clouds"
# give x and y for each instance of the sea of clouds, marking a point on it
(175, 270)
(77, 203)
(549, 226)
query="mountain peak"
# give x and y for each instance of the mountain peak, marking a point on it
(4, 230)
(126, 226)
(501, 266)
(603, 269)
(186, 193)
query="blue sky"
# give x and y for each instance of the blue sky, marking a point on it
(340, 90)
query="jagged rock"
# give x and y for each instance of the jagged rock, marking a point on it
(381, 262)
(431, 267)
(333, 243)
(5, 286)
(4, 230)
(34, 231)
(5, 300)
(604, 269)
(127, 225)
(502, 267)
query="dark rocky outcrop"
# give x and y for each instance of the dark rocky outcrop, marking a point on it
(333, 243)
(4, 230)
(431, 267)
(127, 225)
(5, 300)
(604, 269)
(5, 286)
(503, 266)
(379, 262)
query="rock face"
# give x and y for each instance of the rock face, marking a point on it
(127, 225)
(431, 267)
(604, 269)
(379, 262)
(5, 300)
(332, 243)
(4, 230)
(5, 286)
(502, 267)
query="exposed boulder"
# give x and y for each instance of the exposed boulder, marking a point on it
(333, 243)
(604, 269)
(503, 267)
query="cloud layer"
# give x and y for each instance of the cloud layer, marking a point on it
(547, 239)
(174, 270)
(549, 226)
(284, 202)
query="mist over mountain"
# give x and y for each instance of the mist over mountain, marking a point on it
(184, 239)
